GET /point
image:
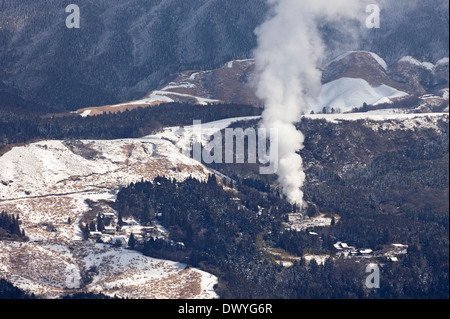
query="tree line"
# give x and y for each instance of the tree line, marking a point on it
(10, 227)
(25, 127)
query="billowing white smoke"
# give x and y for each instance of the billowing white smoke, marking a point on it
(287, 58)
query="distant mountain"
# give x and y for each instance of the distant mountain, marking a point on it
(360, 64)
(12, 98)
(229, 84)
(361, 77)
(410, 28)
(349, 81)
(124, 49)
(421, 77)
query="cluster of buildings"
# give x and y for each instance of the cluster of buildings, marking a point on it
(343, 249)
(114, 234)
(390, 252)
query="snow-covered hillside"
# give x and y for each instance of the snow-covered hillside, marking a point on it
(388, 119)
(153, 98)
(376, 57)
(53, 268)
(228, 84)
(182, 137)
(345, 94)
(63, 167)
(48, 184)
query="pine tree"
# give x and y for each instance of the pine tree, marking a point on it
(132, 241)
(120, 219)
(100, 223)
(85, 231)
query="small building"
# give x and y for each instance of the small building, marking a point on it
(109, 230)
(392, 258)
(139, 238)
(119, 240)
(398, 249)
(95, 235)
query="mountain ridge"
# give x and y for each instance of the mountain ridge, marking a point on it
(349, 81)
(126, 48)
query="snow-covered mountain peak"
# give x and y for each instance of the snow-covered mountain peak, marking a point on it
(375, 56)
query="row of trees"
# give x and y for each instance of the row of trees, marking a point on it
(19, 128)
(9, 291)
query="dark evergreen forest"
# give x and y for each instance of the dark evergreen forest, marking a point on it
(396, 191)
(8, 291)
(22, 127)
(10, 227)
(228, 237)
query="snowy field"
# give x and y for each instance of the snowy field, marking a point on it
(345, 94)
(47, 184)
(388, 119)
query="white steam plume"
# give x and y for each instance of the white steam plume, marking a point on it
(288, 55)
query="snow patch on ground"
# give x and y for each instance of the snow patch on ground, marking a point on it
(163, 96)
(442, 61)
(183, 85)
(379, 60)
(85, 113)
(411, 60)
(348, 93)
(182, 137)
(388, 119)
(378, 115)
(44, 270)
(320, 259)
